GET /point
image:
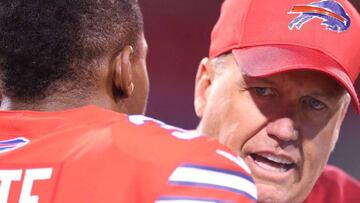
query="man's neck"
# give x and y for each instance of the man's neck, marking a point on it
(47, 104)
(54, 103)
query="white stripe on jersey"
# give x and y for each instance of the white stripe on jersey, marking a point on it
(175, 131)
(180, 200)
(204, 176)
(183, 201)
(237, 160)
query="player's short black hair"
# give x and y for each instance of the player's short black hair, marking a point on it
(47, 42)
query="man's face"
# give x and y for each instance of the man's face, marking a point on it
(284, 126)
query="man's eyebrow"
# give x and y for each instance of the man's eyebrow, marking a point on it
(262, 79)
(316, 93)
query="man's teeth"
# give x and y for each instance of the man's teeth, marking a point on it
(277, 159)
(272, 163)
(271, 168)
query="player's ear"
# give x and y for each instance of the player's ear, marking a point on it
(203, 81)
(123, 85)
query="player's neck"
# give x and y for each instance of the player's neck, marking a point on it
(54, 103)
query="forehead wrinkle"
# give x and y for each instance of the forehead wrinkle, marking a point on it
(324, 86)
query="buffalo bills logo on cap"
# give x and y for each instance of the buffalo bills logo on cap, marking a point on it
(331, 12)
(12, 144)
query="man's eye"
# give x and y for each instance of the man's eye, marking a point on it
(263, 91)
(314, 103)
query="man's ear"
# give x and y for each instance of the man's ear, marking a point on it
(203, 81)
(122, 75)
(344, 109)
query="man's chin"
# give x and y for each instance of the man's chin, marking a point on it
(270, 194)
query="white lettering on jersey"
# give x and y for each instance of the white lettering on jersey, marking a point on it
(6, 177)
(31, 175)
(176, 132)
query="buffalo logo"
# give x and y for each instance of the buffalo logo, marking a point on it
(331, 12)
(12, 144)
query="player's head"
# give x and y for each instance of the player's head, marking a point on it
(73, 53)
(277, 85)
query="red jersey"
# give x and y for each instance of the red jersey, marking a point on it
(91, 155)
(335, 186)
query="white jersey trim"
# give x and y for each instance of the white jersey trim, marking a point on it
(204, 176)
(237, 160)
(175, 131)
(187, 200)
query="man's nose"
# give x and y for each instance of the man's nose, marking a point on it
(283, 128)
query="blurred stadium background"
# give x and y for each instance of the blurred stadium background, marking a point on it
(178, 34)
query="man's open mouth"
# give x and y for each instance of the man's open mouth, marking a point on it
(272, 162)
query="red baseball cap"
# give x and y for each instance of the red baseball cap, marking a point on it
(290, 35)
